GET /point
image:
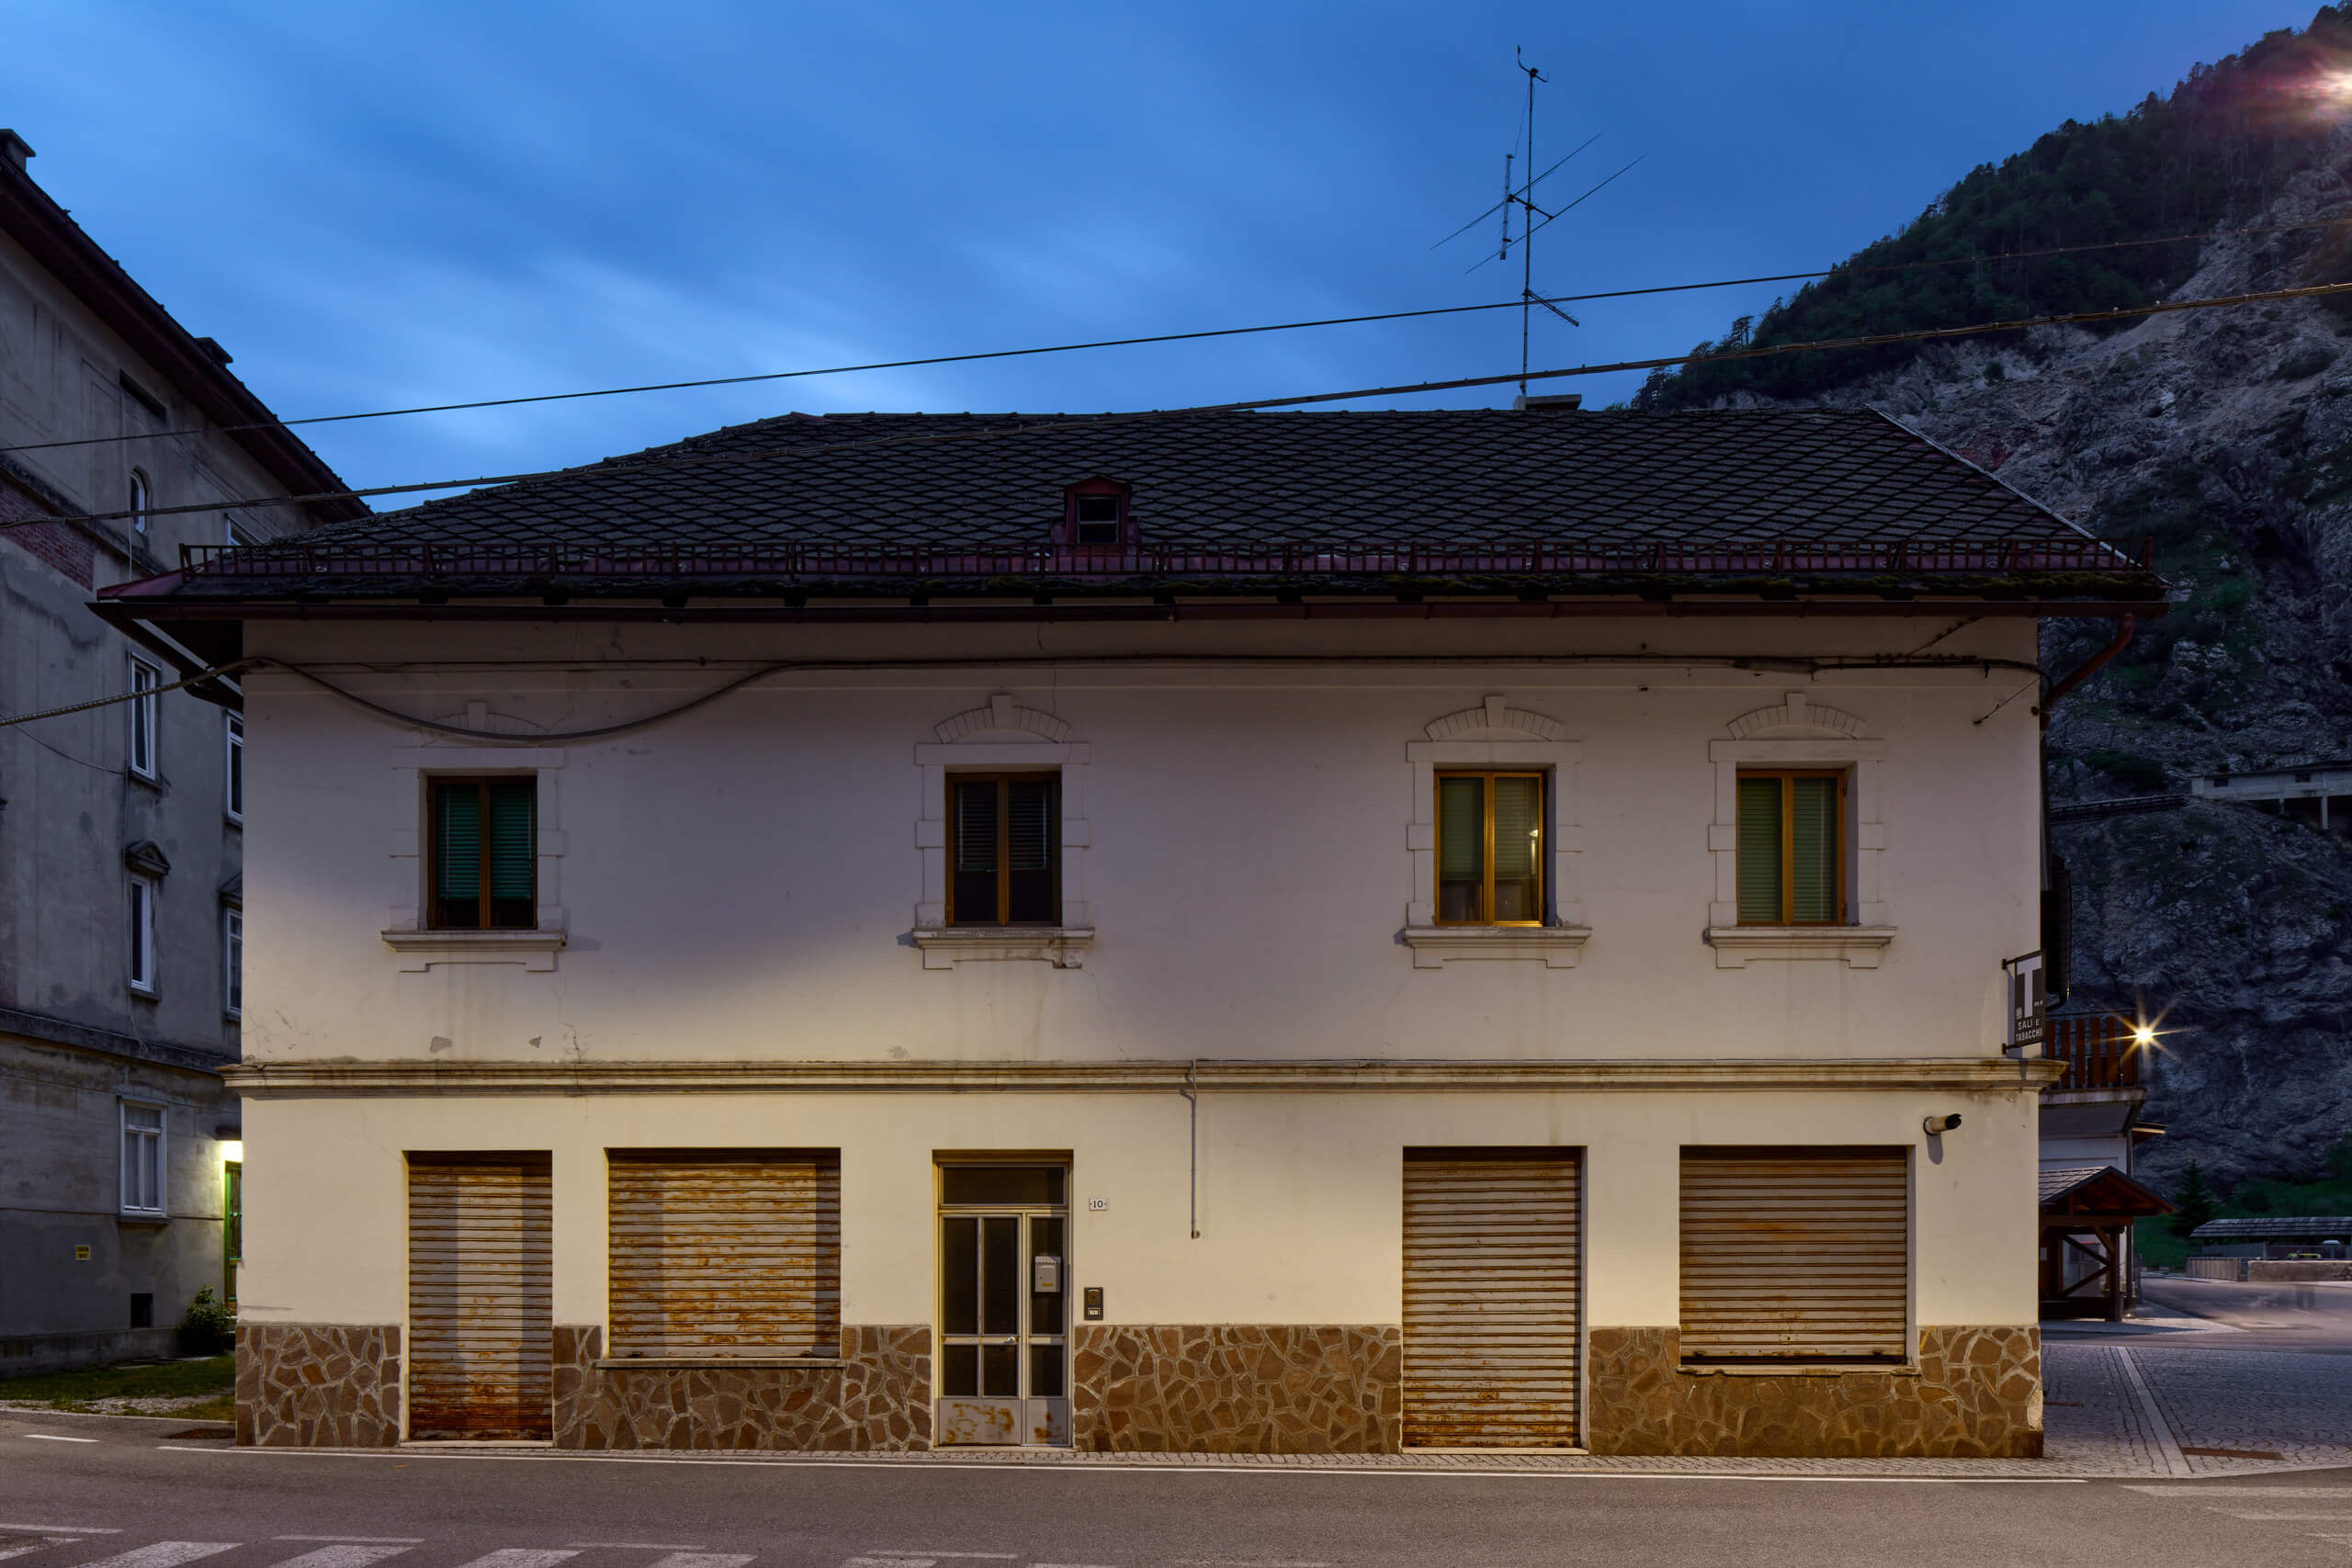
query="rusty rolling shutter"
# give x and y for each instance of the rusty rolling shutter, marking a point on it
(1796, 1255)
(479, 1295)
(1490, 1298)
(726, 1252)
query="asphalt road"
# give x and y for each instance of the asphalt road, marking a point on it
(131, 1497)
(2272, 1316)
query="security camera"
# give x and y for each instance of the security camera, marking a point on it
(1939, 1125)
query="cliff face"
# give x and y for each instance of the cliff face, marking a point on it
(2227, 436)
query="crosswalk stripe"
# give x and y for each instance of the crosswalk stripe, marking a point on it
(166, 1554)
(520, 1557)
(346, 1554)
(703, 1559)
(2244, 1514)
(11, 1548)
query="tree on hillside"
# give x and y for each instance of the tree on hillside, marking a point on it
(2194, 1202)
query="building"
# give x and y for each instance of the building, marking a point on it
(120, 924)
(2091, 1131)
(1295, 932)
(2275, 1237)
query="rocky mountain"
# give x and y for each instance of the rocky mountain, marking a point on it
(2224, 435)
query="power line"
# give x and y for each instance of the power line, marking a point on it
(1062, 424)
(1840, 270)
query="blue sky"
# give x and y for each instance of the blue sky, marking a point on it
(379, 203)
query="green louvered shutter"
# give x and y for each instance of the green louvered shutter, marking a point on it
(1812, 850)
(1759, 852)
(1519, 819)
(1461, 848)
(513, 833)
(456, 856)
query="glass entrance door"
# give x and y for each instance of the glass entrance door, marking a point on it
(1003, 1313)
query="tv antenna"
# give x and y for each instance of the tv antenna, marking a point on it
(1521, 198)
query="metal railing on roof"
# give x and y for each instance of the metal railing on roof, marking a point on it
(832, 562)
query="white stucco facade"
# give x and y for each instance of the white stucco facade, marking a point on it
(732, 902)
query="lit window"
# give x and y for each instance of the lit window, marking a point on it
(232, 962)
(485, 843)
(142, 1158)
(143, 934)
(137, 502)
(232, 784)
(1491, 849)
(145, 679)
(1790, 855)
(1005, 849)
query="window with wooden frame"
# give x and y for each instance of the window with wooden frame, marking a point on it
(485, 844)
(1792, 854)
(1004, 849)
(1491, 849)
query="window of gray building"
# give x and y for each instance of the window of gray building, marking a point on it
(137, 502)
(233, 783)
(232, 962)
(144, 710)
(142, 1158)
(143, 934)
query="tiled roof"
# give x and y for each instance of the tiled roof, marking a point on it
(1450, 504)
(1213, 482)
(2057, 1184)
(2338, 1226)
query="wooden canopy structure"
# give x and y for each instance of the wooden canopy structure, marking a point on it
(2087, 1214)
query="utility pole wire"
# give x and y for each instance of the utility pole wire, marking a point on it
(1067, 424)
(1168, 337)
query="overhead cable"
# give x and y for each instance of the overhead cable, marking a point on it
(1065, 423)
(1170, 338)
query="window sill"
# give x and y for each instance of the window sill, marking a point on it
(708, 1363)
(1860, 946)
(943, 947)
(138, 1217)
(142, 993)
(419, 950)
(1435, 946)
(1802, 1370)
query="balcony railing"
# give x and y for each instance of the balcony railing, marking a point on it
(2101, 1050)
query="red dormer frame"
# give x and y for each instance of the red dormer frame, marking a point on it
(1068, 534)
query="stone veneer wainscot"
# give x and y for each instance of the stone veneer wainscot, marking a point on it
(1239, 1388)
(876, 1399)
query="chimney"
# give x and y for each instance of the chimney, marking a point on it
(1556, 402)
(218, 355)
(14, 149)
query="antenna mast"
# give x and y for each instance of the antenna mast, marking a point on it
(1527, 230)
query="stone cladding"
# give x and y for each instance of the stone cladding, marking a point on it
(1976, 1394)
(1239, 1388)
(317, 1385)
(876, 1400)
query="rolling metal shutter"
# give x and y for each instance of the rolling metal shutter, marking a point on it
(479, 1290)
(726, 1252)
(1796, 1255)
(1490, 1298)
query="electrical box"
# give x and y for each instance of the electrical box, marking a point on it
(1093, 1304)
(1046, 1275)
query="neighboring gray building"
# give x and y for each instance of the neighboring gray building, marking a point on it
(2276, 1235)
(120, 919)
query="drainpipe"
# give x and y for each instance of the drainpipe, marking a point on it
(2089, 667)
(1194, 1183)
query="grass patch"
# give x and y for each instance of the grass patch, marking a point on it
(208, 1386)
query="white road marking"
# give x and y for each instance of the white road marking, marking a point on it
(38, 1543)
(2243, 1491)
(373, 1540)
(1238, 1563)
(352, 1554)
(64, 1529)
(646, 1546)
(703, 1559)
(517, 1557)
(888, 1562)
(2242, 1514)
(905, 1551)
(52, 1437)
(166, 1554)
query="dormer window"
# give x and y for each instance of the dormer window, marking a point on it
(1099, 517)
(1095, 515)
